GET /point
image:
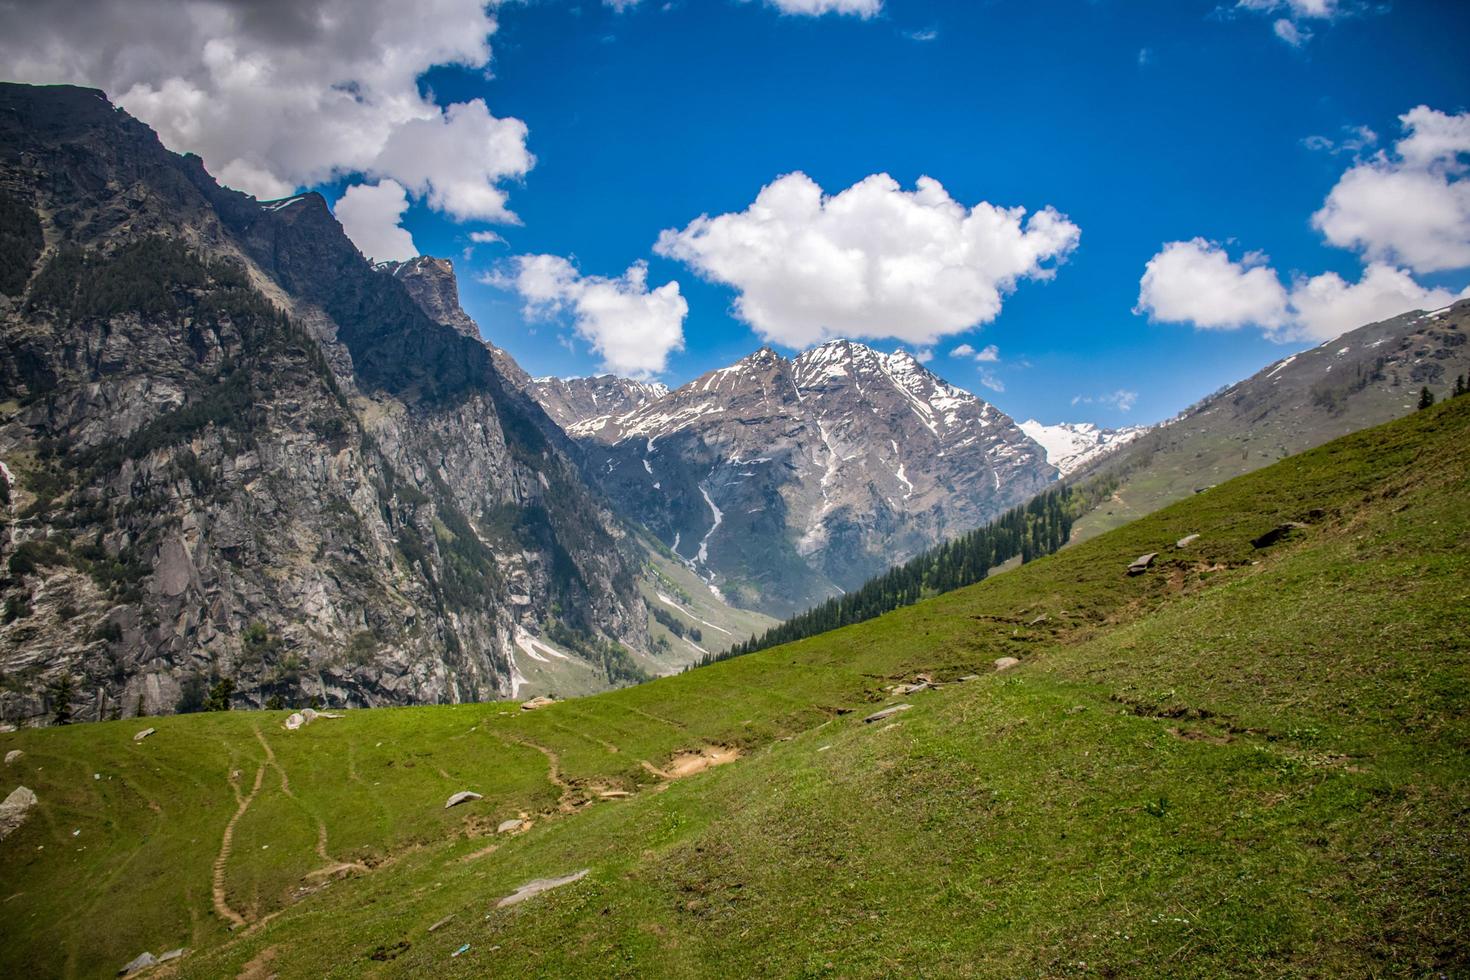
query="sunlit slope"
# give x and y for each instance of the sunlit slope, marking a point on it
(1247, 760)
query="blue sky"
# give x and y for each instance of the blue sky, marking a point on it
(1222, 126)
(642, 121)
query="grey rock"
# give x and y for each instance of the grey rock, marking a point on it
(13, 755)
(172, 954)
(464, 796)
(1142, 563)
(1005, 663)
(142, 962)
(509, 826)
(886, 713)
(1186, 541)
(968, 677)
(539, 885)
(15, 809)
(294, 721)
(144, 734)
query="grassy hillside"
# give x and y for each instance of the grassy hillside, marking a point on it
(1363, 378)
(1245, 761)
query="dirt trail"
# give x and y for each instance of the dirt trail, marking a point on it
(332, 867)
(696, 761)
(567, 801)
(221, 906)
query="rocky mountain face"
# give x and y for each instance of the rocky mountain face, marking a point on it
(570, 401)
(1070, 446)
(234, 454)
(1363, 378)
(782, 481)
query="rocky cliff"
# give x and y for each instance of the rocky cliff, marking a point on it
(237, 456)
(572, 401)
(784, 481)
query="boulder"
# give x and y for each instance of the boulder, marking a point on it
(886, 713)
(1005, 663)
(172, 954)
(143, 962)
(309, 714)
(903, 689)
(535, 703)
(1141, 563)
(538, 886)
(15, 809)
(295, 721)
(1186, 541)
(509, 826)
(12, 755)
(144, 734)
(464, 796)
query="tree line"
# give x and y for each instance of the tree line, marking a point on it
(1029, 531)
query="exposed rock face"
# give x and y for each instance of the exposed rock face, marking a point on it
(234, 449)
(1070, 446)
(782, 482)
(435, 288)
(570, 401)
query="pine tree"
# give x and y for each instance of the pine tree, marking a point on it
(61, 695)
(1459, 386)
(1426, 397)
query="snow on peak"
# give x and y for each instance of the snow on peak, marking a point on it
(1069, 446)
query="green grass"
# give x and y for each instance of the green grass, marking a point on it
(1245, 762)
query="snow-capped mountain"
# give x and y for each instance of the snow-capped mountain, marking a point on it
(1072, 445)
(784, 481)
(572, 400)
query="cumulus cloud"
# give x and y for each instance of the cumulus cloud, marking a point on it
(1327, 306)
(1411, 206)
(279, 94)
(632, 328)
(1291, 32)
(370, 214)
(1197, 282)
(486, 238)
(873, 261)
(815, 8)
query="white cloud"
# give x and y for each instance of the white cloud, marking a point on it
(963, 350)
(873, 261)
(923, 36)
(990, 354)
(278, 94)
(370, 214)
(815, 8)
(1411, 206)
(1327, 306)
(633, 328)
(1356, 140)
(1197, 282)
(1122, 399)
(924, 355)
(486, 238)
(989, 380)
(621, 5)
(1288, 31)
(1290, 15)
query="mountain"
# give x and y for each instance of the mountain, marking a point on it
(1069, 446)
(1362, 378)
(1267, 742)
(432, 284)
(572, 401)
(784, 482)
(237, 454)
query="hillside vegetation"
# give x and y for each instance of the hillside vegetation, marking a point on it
(1248, 760)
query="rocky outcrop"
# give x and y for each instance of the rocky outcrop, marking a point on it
(572, 401)
(784, 481)
(243, 464)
